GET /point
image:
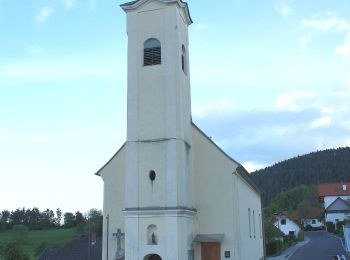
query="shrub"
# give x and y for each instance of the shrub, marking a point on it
(308, 228)
(330, 227)
(40, 248)
(13, 251)
(340, 225)
(273, 247)
(300, 236)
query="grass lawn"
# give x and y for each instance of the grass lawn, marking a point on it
(52, 237)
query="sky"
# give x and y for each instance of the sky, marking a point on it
(270, 80)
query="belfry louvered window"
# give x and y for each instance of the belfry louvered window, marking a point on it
(152, 53)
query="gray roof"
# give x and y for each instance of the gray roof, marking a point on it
(129, 3)
(134, 2)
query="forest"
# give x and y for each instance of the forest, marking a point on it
(332, 165)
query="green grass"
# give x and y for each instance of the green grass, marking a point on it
(52, 237)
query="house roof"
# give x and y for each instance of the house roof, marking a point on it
(334, 189)
(134, 4)
(346, 204)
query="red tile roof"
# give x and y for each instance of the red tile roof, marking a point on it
(333, 189)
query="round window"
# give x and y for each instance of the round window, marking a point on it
(152, 175)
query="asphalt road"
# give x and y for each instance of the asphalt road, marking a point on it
(322, 246)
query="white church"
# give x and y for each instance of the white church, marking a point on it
(170, 192)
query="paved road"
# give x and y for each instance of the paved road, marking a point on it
(322, 246)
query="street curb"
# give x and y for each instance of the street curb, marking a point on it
(296, 246)
(306, 241)
(341, 241)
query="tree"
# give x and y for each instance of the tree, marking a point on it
(96, 221)
(79, 218)
(68, 220)
(58, 217)
(4, 219)
(18, 217)
(20, 233)
(48, 219)
(13, 251)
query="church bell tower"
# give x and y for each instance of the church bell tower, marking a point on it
(159, 206)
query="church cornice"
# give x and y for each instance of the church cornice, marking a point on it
(160, 211)
(135, 4)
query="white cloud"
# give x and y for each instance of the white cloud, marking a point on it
(251, 166)
(326, 24)
(292, 101)
(68, 4)
(321, 122)
(215, 107)
(344, 49)
(283, 9)
(304, 41)
(44, 14)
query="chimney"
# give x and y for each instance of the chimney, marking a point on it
(344, 186)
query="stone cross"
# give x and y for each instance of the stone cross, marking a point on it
(120, 252)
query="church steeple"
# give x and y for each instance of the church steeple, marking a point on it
(159, 105)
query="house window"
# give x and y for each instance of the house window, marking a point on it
(183, 59)
(291, 233)
(254, 223)
(250, 224)
(283, 221)
(260, 226)
(152, 52)
(313, 221)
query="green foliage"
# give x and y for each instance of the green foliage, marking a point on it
(96, 221)
(331, 165)
(69, 220)
(81, 229)
(53, 237)
(273, 247)
(13, 251)
(40, 248)
(339, 226)
(270, 231)
(330, 227)
(20, 233)
(289, 200)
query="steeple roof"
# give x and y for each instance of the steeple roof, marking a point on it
(134, 4)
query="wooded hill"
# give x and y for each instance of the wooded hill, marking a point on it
(331, 165)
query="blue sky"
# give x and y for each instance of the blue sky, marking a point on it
(270, 80)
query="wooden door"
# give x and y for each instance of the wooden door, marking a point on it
(211, 251)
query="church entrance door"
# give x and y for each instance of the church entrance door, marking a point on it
(211, 251)
(153, 257)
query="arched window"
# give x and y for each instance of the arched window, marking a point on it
(152, 52)
(183, 59)
(152, 236)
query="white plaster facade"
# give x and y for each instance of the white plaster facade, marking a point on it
(338, 210)
(199, 193)
(314, 223)
(286, 225)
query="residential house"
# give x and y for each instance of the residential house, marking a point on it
(336, 200)
(286, 225)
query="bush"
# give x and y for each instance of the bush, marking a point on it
(300, 236)
(340, 225)
(273, 247)
(330, 227)
(308, 228)
(13, 251)
(40, 248)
